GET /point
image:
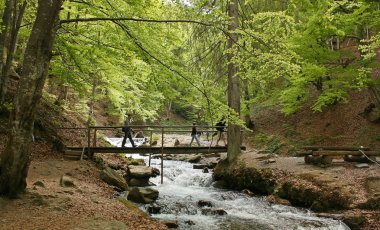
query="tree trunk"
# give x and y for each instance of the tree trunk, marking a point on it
(234, 135)
(15, 159)
(92, 100)
(6, 22)
(16, 23)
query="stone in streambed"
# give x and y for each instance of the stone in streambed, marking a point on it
(139, 172)
(209, 212)
(154, 209)
(111, 177)
(170, 223)
(204, 203)
(143, 195)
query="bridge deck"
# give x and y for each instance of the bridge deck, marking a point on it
(154, 150)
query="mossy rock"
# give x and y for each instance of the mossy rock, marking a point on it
(354, 221)
(237, 176)
(132, 161)
(309, 194)
(132, 206)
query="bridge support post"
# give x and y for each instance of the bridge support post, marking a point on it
(94, 138)
(162, 155)
(150, 144)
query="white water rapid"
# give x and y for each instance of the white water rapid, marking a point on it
(184, 186)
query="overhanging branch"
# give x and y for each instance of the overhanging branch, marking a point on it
(136, 20)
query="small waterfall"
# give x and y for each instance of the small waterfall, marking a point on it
(184, 187)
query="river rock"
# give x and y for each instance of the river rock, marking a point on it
(205, 170)
(143, 195)
(209, 211)
(139, 172)
(277, 200)
(204, 203)
(195, 159)
(189, 222)
(170, 223)
(154, 209)
(354, 221)
(111, 177)
(66, 181)
(199, 166)
(247, 192)
(141, 182)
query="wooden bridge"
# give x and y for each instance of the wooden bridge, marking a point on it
(91, 147)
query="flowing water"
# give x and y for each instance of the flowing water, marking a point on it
(184, 186)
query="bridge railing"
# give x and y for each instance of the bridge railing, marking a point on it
(89, 135)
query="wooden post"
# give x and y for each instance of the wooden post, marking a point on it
(162, 155)
(94, 138)
(88, 142)
(150, 144)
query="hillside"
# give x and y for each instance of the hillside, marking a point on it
(343, 124)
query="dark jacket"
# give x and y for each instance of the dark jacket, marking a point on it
(221, 125)
(193, 131)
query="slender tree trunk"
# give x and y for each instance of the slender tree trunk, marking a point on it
(15, 159)
(234, 135)
(4, 28)
(18, 14)
(92, 100)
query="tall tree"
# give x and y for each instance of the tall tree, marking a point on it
(15, 159)
(18, 13)
(234, 135)
(4, 30)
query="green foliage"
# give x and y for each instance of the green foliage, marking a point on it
(270, 143)
(288, 53)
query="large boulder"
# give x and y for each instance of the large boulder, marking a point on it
(143, 195)
(140, 172)
(112, 177)
(135, 182)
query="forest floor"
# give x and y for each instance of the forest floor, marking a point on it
(48, 205)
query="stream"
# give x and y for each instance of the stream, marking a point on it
(184, 187)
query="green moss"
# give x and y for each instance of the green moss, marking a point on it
(270, 143)
(132, 161)
(131, 206)
(238, 176)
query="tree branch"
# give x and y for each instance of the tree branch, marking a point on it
(136, 20)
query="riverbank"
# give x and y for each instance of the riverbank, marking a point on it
(88, 204)
(339, 191)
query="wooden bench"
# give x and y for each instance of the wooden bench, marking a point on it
(324, 155)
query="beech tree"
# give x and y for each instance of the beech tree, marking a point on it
(15, 159)
(234, 135)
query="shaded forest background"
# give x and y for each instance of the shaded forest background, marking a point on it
(308, 69)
